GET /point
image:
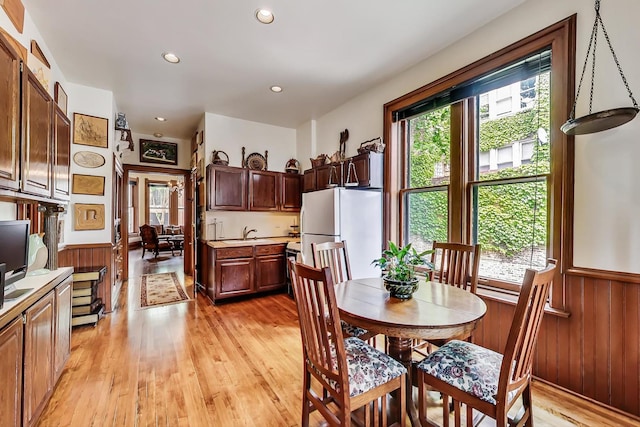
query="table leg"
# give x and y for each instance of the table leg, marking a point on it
(400, 349)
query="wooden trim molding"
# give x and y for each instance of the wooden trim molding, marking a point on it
(593, 273)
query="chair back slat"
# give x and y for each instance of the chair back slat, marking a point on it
(335, 256)
(523, 335)
(322, 338)
(456, 264)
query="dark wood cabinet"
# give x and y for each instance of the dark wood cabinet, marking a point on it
(309, 181)
(61, 154)
(37, 157)
(10, 113)
(245, 270)
(328, 176)
(227, 188)
(291, 194)
(264, 190)
(368, 168)
(11, 359)
(62, 338)
(38, 357)
(270, 267)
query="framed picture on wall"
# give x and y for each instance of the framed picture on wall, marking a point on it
(165, 153)
(88, 184)
(90, 130)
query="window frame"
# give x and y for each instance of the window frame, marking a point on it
(561, 38)
(133, 194)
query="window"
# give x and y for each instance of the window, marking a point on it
(158, 203)
(501, 188)
(132, 206)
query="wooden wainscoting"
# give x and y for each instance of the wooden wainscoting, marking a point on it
(95, 254)
(595, 352)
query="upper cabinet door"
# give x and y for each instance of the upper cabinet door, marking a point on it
(37, 109)
(61, 154)
(291, 192)
(227, 188)
(10, 114)
(264, 190)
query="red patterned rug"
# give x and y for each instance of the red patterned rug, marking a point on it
(161, 289)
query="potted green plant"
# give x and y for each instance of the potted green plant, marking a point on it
(398, 265)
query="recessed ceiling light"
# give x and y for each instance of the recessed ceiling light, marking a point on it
(157, 135)
(265, 16)
(161, 119)
(276, 89)
(171, 57)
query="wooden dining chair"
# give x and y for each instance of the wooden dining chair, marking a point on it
(454, 264)
(484, 380)
(335, 256)
(351, 373)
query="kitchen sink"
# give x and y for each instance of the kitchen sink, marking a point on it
(248, 242)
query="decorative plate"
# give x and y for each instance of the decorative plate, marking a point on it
(88, 159)
(256, 161)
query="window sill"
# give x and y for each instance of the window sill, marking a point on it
(510, 299)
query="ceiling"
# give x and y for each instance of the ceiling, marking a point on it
(322, 53)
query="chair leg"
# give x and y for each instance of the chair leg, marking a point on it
(456, 414)
(528, 406)
(143, 249)
(305, 401)
(469, 416)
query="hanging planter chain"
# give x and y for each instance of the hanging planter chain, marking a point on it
(592, 45)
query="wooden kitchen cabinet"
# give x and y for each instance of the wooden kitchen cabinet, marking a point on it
(369, 167)
(227, 188)
(10, 112)
(37, 107)
(38, 357)
(62, 338)
(245, 270)
(291, 193)
(309, 181)
(11, 341)
(61, 154)
(270, 267)
(328, 176)
(264, 190)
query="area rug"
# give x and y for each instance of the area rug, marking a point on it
(161, 289)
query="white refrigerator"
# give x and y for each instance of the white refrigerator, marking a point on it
(337, 214)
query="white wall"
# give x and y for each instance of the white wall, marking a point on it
(607, 197)
(99, 103)
(230, 135)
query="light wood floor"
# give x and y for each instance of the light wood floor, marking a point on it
(195, 364)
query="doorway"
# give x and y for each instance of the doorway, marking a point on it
(152, 180)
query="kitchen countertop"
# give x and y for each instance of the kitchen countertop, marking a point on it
(234, 243)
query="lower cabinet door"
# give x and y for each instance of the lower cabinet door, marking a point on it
(38, 357)
(63, 327)
(11, 373)
(234, 277)
(270, 272)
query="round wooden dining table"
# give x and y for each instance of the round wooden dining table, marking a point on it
(436, 311)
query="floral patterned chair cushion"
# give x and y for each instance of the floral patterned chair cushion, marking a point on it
(351, 330)
(367, 367)
(466, 366)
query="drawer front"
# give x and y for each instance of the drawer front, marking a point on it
(270, 249)
(241, 252)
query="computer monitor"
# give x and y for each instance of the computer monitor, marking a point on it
(14, 249)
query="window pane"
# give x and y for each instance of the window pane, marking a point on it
(515, 143)
(429, 152)
(512, 229)
(427, 218)
(158, 204)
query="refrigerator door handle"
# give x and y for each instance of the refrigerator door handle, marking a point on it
(302, 220)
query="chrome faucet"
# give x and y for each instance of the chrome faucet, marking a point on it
(245, 233)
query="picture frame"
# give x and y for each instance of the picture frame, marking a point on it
(88, 216)
(88, 184)
(60, 96)
(161, 152)
(90, 130)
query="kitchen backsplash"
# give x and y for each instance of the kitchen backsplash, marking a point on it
(230, 224)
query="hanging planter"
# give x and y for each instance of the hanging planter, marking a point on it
(603, 120)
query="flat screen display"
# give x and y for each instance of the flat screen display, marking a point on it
(14, 249)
